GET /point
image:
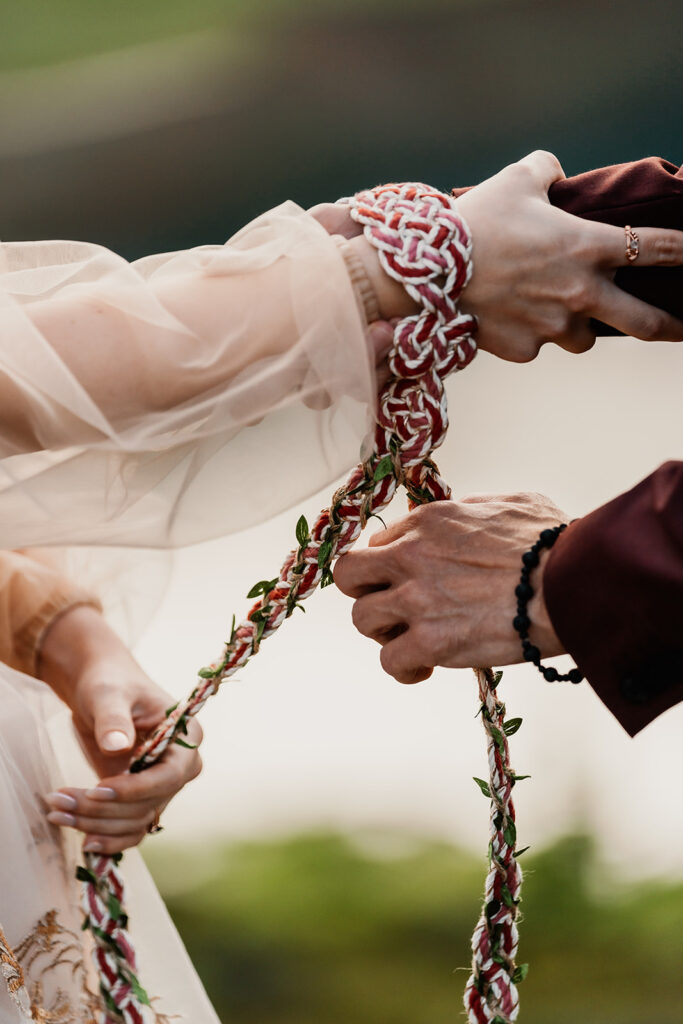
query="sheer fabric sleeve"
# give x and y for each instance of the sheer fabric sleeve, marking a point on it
(123, 386)
(32, 594)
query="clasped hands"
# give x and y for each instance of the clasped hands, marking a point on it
(437, 588)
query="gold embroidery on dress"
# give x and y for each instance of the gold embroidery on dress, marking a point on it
(14, 976)
(49, 946)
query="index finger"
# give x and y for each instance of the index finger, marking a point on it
(362, 572)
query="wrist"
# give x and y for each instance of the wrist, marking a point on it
(542, 632)
(75, 639)
(392, 298)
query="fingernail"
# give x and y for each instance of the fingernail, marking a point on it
(101, 793)
(92, 846)
(115, 740)
(61, 801)
(59, 818)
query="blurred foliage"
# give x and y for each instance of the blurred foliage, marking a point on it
(325, 930)
(36, 32)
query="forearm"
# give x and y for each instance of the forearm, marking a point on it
(113, 348)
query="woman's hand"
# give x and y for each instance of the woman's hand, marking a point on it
(114, 706)
(540, 274)
(438, 586)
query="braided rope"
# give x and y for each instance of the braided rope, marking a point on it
(424, 244)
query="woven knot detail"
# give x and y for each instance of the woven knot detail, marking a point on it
(426, 342)
(424, 244)
(414, 413)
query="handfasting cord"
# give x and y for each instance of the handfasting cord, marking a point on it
(426, 245)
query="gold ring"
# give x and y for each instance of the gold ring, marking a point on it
(632, 244)
(155, 826)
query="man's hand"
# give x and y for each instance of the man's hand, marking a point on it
(438, 587)
(114, 705)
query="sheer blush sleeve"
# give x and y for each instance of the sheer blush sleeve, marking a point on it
(32, 594)
(123, 385)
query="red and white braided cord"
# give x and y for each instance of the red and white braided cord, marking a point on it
(424, 244)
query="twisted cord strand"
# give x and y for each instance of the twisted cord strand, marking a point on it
(424, 244)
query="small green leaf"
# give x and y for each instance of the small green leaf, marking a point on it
(116, 857)
(206, 673)
(507, 896)
(302, 532)
(232, 632)
(114, 906)
(497, 676)
(184, 743)
(260, 628)
(498, 738)
(86, 923)
(511, 726)
(169, 711)
(520, 974)
(374, 515)
(138, 990)
(499, 1020)
(109, 1002)
(324, 553)
(83, 875)
(385, 467)
(519, 853)
(499, 959)
(510, 833)
(262, 587)
(483, 786)
(327, 578)
(519, 778)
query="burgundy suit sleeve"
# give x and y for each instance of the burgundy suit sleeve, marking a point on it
(613, 586)
(643, 193)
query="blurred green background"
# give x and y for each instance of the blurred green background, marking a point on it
(327, 929)
(157, 125)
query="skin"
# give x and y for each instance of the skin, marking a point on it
(437, 587)
(114, 705)
(539, 274)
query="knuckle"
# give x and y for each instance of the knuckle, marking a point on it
(386, 659)
(651, 326)
(557, 322)
(577, 295)
(668, 249)
(423, 642)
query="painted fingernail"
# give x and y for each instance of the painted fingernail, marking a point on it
(59, 818)
(61, 801)
(114, 740)
(101, 793)
(92, 846)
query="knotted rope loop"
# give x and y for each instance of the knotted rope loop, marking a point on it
(425, 245)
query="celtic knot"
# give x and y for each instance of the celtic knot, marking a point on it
(415, 413)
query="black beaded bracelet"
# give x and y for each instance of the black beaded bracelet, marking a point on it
(524, 592)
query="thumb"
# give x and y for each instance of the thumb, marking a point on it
(114, 728)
